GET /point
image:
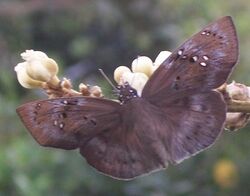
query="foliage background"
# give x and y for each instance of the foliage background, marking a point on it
(86, 35)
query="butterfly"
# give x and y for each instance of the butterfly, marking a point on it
(177, 115)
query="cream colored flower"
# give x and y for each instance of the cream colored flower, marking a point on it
(119, 71)
(238, 91)
(39, 65)
(135, 80)
(142, 68)
(162, 56)
(237, 120)
(36, 69)
(24, 79)
(95, 91)
(142, 64)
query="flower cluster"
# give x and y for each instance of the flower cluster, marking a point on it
(37, 69)
(40, 71)
(141, 69)
(237, 120)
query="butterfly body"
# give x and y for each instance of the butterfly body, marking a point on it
(126, 92)
(178, 114)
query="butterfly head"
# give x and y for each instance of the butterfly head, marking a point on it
(126, 92)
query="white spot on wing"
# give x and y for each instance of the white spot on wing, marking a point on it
(195, 58)
(61, 125)
(55, 122)
(203, 64)
(179, 52)
(205, 57)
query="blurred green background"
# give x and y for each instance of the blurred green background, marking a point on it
(83, 36)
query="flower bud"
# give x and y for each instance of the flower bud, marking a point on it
(143, 64)
(119, 71)
(237, 91)
(162, 56)
(236, 120)
(66, 83)
(83, 88)
(24, 79)
(95, 91)
(135, 80)
(39, 66)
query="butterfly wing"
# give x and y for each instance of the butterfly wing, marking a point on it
(182, 86)
(150, 137)
(203, 62)
(113, 138)
(68, 122)
(196, 121)
(134, 147)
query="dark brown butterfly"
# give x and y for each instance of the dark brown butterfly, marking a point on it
(178, 114)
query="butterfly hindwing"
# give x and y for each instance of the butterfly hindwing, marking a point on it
(147, 142)
(133, 148)
(67, 122)
(196, 121)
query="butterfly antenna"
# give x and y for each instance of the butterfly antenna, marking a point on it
(109, 81)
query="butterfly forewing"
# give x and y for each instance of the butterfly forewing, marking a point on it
(203, 62)
(68, 122)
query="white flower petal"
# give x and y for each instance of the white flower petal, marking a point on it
(24, 79)
(30, 55)
(162, 56)
(119, 71)
(142, 64)
(135, 80)
(39, 66)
